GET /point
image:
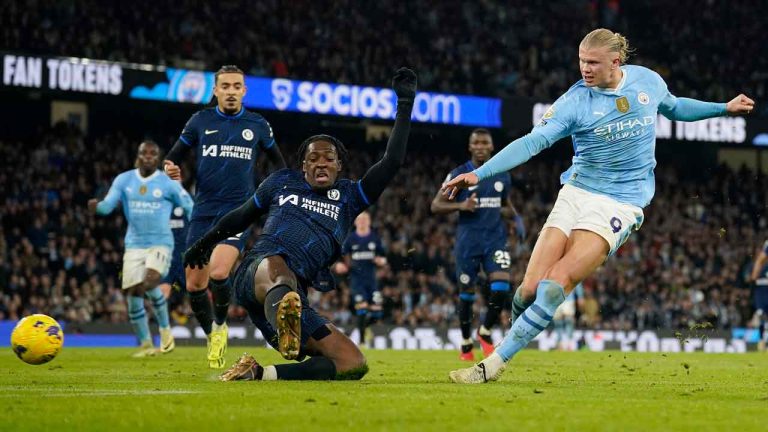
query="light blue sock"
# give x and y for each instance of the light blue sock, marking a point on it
(549, 295)
(160, 306)
(138, 317)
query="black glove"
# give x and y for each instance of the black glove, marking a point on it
(404, 85)
(197, 255)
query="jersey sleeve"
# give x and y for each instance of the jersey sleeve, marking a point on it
(108, 204)
(181, 198)
(191, 132)
(266, 135)
(268, 188)
(560, 119)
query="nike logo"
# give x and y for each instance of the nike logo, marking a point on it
(471, 188)
(482, 367)
(208, 132)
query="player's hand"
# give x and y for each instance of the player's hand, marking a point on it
(92, 203)
(404, 84)
(340, 268)
(470, 203)
(740, 105)
(380, 261)
(173, 170)
(197, 255)
(462, 181)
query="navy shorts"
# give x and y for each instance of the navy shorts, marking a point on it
(761, 298)
(312, 323)
(363, 291)
(492, 255)
(200, 225)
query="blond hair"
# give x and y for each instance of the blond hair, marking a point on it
(615, 42)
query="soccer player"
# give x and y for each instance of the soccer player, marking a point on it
(481, 240)
(759, 277)
(147, 196)
(227, 140)
(363, 252)
(610, 115)
(309, 214)
(564, 319)
(174, 281)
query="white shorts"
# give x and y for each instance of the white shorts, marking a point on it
(577, 208)
(137, 261)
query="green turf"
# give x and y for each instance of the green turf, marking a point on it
(105, 389)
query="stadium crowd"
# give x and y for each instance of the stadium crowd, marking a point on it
(486, 47)
(686, 265)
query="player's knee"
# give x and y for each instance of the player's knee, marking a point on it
(219, 272)
(151, 279)
(353, 367)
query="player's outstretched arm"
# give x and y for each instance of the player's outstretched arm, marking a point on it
(380, 174)
(234, 222)
(686, 109)
(109, 203)
(514, 154)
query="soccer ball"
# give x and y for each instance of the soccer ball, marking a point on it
(37, 339)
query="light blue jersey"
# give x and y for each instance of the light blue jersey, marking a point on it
(613, 133)
(147, 204)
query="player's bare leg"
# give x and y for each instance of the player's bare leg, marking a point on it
(585, 251)
(275, 287)
(334, 356)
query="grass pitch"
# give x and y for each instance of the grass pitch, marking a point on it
(105, 389)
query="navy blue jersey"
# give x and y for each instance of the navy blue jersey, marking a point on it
(762, 277)
(303, 226)
(362, 251)
(227, 148)
(486, 221)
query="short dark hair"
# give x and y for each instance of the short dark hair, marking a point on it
(149, 142)
(227, 69)
(481, 131)
(341, 150)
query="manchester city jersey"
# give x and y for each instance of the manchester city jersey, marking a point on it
(147, 205)
(362, 250)
(304, 226)
(486, 221)
(613, 133)
(227, 147)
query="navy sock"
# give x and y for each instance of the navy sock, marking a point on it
(222, 294)
(316, 368)
(201, 306)
(272, 300)
(499, 293)
(466, 300)
(519, 305)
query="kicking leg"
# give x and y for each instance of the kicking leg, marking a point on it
(585, 251)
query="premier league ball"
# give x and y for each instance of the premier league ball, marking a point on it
(37, 339)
